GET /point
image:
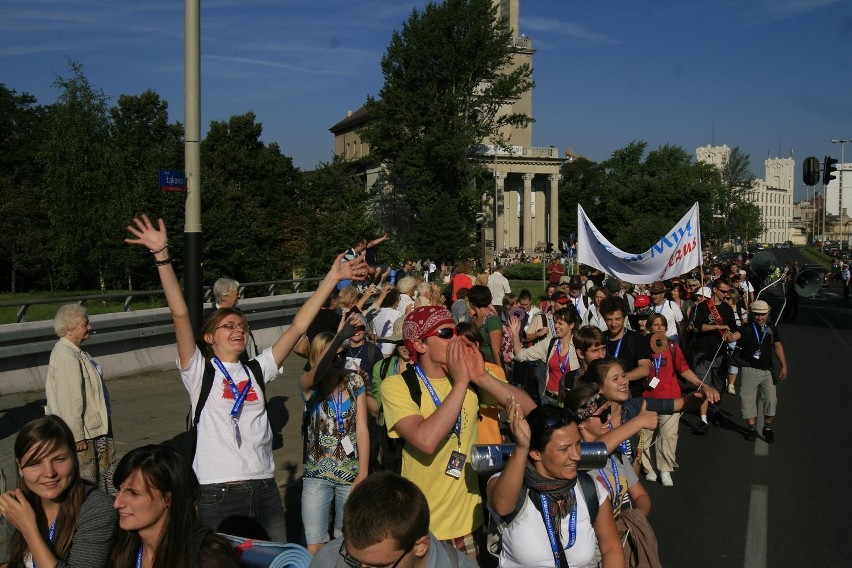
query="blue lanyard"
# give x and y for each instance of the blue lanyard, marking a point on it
(338, 410)
(623, 446)
(562, 364)
(139, 557)
(551, 531)
(436, 400)
(617, 347)
(658, 362)
(239, 397)
(617, 478)
(760, 337)
(51, 534)
(552, 326)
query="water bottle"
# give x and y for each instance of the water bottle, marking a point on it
(489, 458)
(392, 277)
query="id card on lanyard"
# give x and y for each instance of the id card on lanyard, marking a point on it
(239, 397)
(455, 464)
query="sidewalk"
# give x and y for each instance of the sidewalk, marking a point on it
(151, 408)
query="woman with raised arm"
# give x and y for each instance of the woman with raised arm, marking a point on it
(54, 518)
(233, 458)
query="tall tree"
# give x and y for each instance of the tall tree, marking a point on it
(448, 76)
(736, 215)
(75, 157)
(247, 186)
(633, 198)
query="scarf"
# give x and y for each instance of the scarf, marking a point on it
(558, 491)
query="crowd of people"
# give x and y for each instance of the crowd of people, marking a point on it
(404, 376)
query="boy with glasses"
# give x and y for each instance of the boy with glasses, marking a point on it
(386, 523)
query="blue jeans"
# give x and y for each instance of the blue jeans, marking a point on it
(249, 509)
(317, 495)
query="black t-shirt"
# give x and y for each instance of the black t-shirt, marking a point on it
(709, 341)
(365, 356)
(629, 350)
(751, 345)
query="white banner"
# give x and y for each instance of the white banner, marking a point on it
(676, 253)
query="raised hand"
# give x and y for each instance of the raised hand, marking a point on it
(648, 419)
(355, 269)
(518, 424)
(147, 235)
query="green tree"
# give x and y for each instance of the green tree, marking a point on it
(143, 142)
(23, 252)
(447, 75)
(735, 214)
(76, 183)
(246, 188)
(633, 198)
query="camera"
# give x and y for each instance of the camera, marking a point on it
(486, 459)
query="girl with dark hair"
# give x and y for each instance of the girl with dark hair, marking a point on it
(156, 503)
(233, 460)
(550, 523)
(558, 354)
(489, 323)
(54, 518)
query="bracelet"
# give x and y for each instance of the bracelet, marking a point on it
(165, 246)
(163, 262)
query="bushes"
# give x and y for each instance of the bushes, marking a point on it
(529, 271)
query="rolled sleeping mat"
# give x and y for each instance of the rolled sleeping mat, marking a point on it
(264, 554)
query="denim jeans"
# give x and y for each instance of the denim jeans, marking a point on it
(249, 509)
(317, 495)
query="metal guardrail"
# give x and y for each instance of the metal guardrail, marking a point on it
(270, 287)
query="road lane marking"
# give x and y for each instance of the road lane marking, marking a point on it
(761, 448)
(756, 530)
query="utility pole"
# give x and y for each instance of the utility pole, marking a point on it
(842, 142)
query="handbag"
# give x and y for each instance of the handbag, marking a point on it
(303, 347)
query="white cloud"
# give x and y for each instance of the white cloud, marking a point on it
(547, 25)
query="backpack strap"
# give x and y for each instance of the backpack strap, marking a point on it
(590, 494)
(384, 366)
(413, 384)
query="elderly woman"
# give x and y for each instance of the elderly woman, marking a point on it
(226, 294)
(76, 393)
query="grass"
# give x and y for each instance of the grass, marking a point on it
(42, 312)
(816, 255)
(536, 287)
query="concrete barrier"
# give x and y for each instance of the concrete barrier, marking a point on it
(126, 343)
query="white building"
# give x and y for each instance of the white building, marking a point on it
(773, 195)
(833, 198)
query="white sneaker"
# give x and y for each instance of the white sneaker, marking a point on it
(651, 476)
(731, 389)
(666, 478)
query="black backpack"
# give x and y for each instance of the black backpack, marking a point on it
(206, 387)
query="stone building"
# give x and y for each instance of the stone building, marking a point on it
(773, 195)
(526, 213)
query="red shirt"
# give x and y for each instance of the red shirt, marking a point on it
(555, 271)
(671, 362)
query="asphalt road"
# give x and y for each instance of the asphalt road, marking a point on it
(750, 504)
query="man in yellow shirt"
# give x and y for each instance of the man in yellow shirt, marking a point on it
(441, 427)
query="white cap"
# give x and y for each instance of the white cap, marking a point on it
(704, 291)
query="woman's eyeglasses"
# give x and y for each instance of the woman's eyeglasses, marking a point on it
(443, 333)
(231, 326)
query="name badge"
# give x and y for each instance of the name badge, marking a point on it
(347, 445)
(455, 465)
(757, 354)
(654, 382)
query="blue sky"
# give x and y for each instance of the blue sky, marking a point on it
(769, 76)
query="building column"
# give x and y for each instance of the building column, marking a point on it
(499, 215)
(554, 210)
(527, 244)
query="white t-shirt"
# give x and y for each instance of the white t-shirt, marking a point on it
(218, 457)
(525, 541)
(499, 286)
(383, 327)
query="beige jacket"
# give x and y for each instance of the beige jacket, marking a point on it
(76, 392)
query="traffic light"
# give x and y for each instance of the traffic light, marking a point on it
(810, 171)
(829, 167)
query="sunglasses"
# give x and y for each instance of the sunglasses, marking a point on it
(443, 333)
(556, 421)
(604, 415)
